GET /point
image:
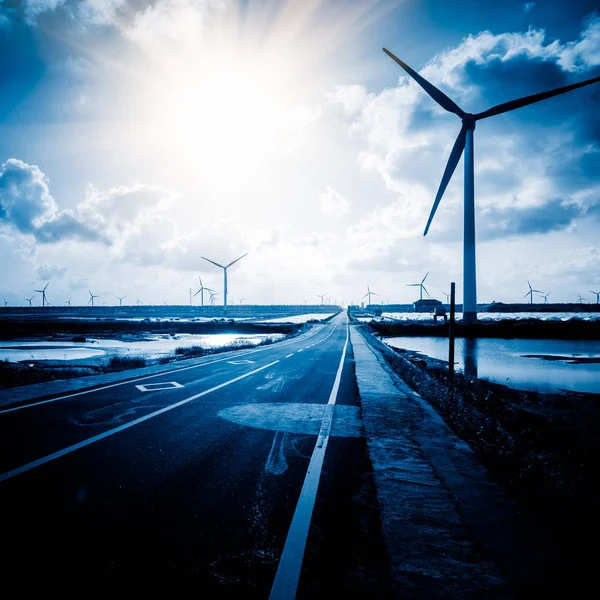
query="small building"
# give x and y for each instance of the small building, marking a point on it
(427, 305)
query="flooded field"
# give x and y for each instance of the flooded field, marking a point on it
(152, 347)
(537, 365)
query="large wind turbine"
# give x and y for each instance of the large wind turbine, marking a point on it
(369, 293)
(201, 291)
(464, 141)
(224, 267)
(597, 296)
(530, 293)
(421, 286)
(43, 293)
(91, 300)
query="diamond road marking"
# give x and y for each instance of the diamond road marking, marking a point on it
(155, 387)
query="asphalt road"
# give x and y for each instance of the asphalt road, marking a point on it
(243, 476)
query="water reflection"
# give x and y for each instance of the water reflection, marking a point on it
(470, 356)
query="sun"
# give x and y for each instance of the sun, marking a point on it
(223, 116)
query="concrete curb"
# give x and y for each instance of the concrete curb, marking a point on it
(430, 489)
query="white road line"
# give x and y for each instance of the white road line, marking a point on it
(292, 354)
(112, 385)
(101, 436)
(300, 350)
(286, 580)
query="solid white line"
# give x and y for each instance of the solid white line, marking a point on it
(168, 372)
(286, 580)
(101, 436)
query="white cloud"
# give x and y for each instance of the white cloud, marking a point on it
(333, 203)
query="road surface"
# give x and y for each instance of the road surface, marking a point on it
(241, 476)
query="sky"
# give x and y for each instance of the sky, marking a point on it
(138, 136)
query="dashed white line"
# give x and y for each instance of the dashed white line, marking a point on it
(101, 436)
(286, 580)
(292, 354)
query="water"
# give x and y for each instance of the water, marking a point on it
(491, 316)
(506, 361)
(151, 347)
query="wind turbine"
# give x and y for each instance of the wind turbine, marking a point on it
(581, 299)
(241, 299)
(213, 295)
(43, 293)
(597, 296)
(421, 286)
(530, 293)
(447, 296)
(545, 296)
(29, 300)
(305, 300)
(224, 275)
(322, 296)
(464, 142)
(92, 296)
(138, 302)
(201, 291)
(369, 293)
(120, 299)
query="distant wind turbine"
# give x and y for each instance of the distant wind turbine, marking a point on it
(464, 142)
(120, 299)
(241, 299)
(530, 293)
(29, 300)
(597, 296)
(420, 286)
(43, 293)
(369, 293)
(91, 300)
(201, 291)
(138, 302)
(447, 296)
(322, 296)
(213, 296)
(305, 300)
(545, 296)
(581, 299)
(224, 267)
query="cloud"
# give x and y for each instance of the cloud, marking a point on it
(333, 203)
(528, 6)
(46, 272)
(554, 215)
(27, 206)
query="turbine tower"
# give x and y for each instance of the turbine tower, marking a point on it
(369, 293)
(201, 291)
(224, 267)
(43, 293)
(120, 299)
(464, 142)
(597, 296)
(420, 286)
(91, 300)
(530, 293)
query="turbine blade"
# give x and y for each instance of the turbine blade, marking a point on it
(527, 294)
(525, 101)
(196, 293)
(213, 262)
(457, 150)
(412, 284)
(425, 290)
(233, 262)
(436, 94)
(424, 278)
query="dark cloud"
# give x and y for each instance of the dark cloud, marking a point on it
(27, 206)
(555, 215)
